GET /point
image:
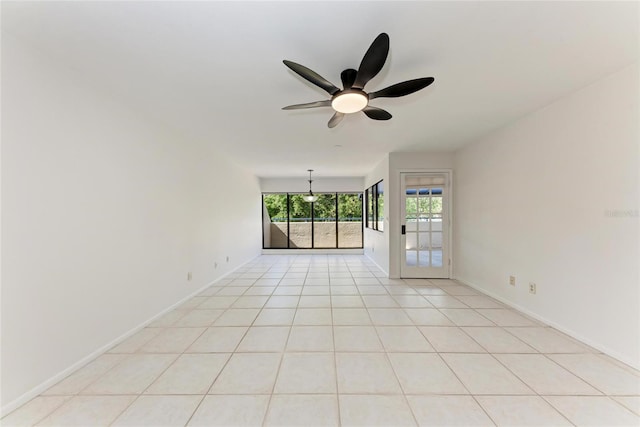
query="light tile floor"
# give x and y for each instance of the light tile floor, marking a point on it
(328, 340)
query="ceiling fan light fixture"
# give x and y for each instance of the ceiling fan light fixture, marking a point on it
(353, 97)
(349, 101)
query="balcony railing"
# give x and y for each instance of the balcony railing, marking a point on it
(316, 219)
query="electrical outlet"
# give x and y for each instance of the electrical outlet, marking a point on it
(227, 259)
(512, 280)
(189, 276)
(532, 288)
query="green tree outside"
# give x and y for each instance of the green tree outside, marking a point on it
(349, 207)
(423, 206)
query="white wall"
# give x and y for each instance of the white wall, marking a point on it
(319, 185)
(535, 200)
(103, 215)
(406, 162)
(376, 243)
(384, 247)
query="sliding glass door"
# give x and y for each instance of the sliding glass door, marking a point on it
(350, 220)
(334, 221)
(300, 224)
(275, 221)
(325, 227)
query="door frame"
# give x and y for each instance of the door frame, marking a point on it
(447, 208)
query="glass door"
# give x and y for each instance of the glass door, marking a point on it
(325, 227)
(300, 221)
(425, 226)
(334, 221)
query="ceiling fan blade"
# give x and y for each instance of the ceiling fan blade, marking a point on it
(337, 118)
(373, 60)
(376, 113)
(312, 76)
(402, 89)
(326, 103)
(348, 77)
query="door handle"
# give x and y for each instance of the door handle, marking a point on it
(404, 229)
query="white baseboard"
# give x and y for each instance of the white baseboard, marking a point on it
(312, 251)
(598, 346)
(37, 390)
(377, 265)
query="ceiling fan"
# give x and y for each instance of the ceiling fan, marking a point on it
(352, 98)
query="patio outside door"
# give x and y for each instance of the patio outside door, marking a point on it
(425, 226)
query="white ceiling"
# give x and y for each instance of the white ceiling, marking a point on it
(213, 70)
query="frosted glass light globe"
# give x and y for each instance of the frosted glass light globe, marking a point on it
(349, 102)
(310, 198)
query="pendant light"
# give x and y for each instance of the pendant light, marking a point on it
(310, 197)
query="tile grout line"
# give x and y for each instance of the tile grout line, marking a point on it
(536, 393)
(221, 369)
(282, 354)
(157, 377)
(335, 357)
(466, 388)
(454, 372)
(363, 270)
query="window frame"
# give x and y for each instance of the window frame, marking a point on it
(372, 205)
(360, 196)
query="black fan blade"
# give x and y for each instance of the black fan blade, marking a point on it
(376, 113)
(326, 103)
(337, 118)
(373, 61)
(312, 76)
(348, 77)
(402, 89)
